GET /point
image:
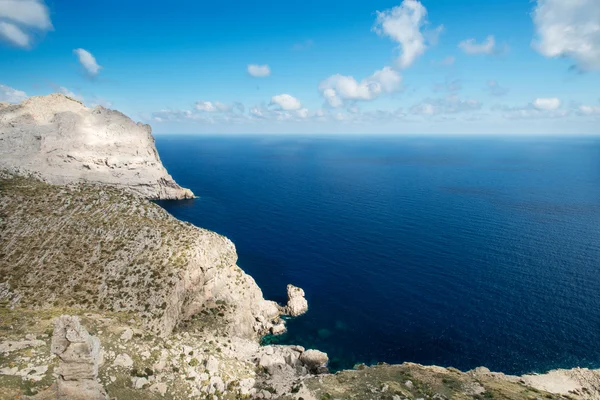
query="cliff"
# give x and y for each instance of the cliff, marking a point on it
(62, 141)
(103, 248)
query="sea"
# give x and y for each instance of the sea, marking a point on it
(459, 251)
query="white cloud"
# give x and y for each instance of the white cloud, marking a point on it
(540, 108)
(259, 71)
(88, 61)
(302, 113)
(218, 107)
(338, 88)
(546, 103)
(99, 101)
(206, 106)
(70, 94)
(14, 34)
(286, 102)
(10, 95)
(403, 25)
(589, 110)
(569, 29)
(19, 19)
(470, 46)
(447, 105)
(495, 89)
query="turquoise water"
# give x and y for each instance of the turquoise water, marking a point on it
(450, 251)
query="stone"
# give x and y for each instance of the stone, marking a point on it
(160, 388)
(212, 365)
(246, 386)
(278, 329)
(139, 382)
(10, 345)
(315, 360)
(127, 335)
(297, 304)
(79, 357)
(123, 360)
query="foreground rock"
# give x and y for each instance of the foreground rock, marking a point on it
(79, 358)
(297, 304)
(62, 141)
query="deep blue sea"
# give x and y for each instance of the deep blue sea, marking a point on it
(454, 251)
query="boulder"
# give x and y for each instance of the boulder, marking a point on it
(315, 360)
(297, 304)
(79, 356)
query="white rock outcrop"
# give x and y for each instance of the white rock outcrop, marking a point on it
(79, 357)
(62, 141)
(315, 360)
(297, 304)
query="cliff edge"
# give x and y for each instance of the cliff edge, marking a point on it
(62, 141)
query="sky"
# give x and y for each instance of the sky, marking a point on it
(380, 66)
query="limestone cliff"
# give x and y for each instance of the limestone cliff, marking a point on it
(62, 141)
(102, 248)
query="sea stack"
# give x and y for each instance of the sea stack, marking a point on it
(297, 304)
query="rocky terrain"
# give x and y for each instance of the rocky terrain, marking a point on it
(104, 295)
(62, 141)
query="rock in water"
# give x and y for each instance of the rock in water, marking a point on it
(315, 360)
(63, 141)
(297, 304)
(79, 357)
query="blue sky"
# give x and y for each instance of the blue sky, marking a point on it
(431, 66)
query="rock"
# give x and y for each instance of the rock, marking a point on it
(297, 304)
(218, 384)
(315, 360)
(212, 365)
(123, 360)
(160, 388)
(139, 382)
(246, 386)
(63, 141)
(278, 329)
(79, 356)
(127, 335)
(10, 345)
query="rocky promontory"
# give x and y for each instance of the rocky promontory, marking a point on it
(62, 141)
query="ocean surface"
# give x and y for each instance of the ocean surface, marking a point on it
(454, 251)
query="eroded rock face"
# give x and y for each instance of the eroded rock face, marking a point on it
(297, 304)
(62, 141)
(79, 355)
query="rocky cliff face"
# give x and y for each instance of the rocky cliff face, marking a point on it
(62, 141)
(102, 248)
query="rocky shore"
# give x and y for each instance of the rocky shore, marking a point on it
(104, 295)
